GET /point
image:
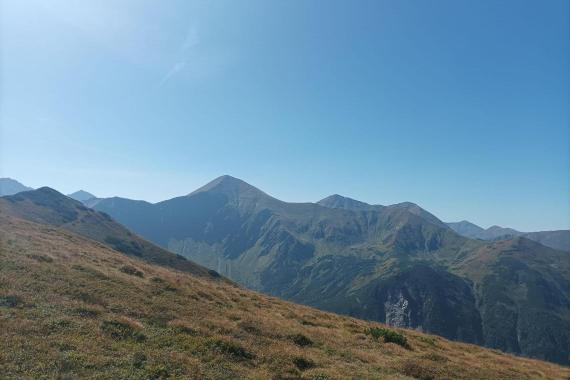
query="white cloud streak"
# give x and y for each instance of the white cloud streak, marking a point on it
(191, 41)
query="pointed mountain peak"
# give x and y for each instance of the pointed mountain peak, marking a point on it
(81, 196)
(232, 187)
(346, 203)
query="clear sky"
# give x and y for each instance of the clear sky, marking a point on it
(460, 106)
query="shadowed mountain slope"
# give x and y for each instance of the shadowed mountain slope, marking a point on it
(394, 264)
(555, 239)
(73, 308)
(47, 206)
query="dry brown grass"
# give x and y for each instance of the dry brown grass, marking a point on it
(69, 309)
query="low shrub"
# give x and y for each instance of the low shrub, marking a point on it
(389, 336)
(301, 340)
(229, 348)
(130, 270)
(303, 363)
(120, 330)
(11, 301)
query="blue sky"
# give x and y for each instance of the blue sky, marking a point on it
(460, 106)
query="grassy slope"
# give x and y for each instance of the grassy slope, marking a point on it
(69, 310)
(48, 206)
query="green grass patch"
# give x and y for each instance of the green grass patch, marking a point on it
(389, 336)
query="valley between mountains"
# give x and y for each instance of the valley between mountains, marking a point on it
(398, 264)
(82, 297)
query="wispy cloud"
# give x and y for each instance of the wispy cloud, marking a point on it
(190, 41)
(178, 66)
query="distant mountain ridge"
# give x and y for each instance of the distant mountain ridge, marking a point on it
(47, 206)
(9, 186)
(340, 202)
(81, 196)
(559, 239)
(396, 264)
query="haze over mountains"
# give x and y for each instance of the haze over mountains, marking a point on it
(555, 239)
(81, 196)
(9, 186)
(75, 304)
(558, 239)
(397, 264)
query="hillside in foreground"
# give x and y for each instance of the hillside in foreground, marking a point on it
(72, 308)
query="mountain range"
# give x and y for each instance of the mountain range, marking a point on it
(559, 239)
(397, 264)
(83, 297)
